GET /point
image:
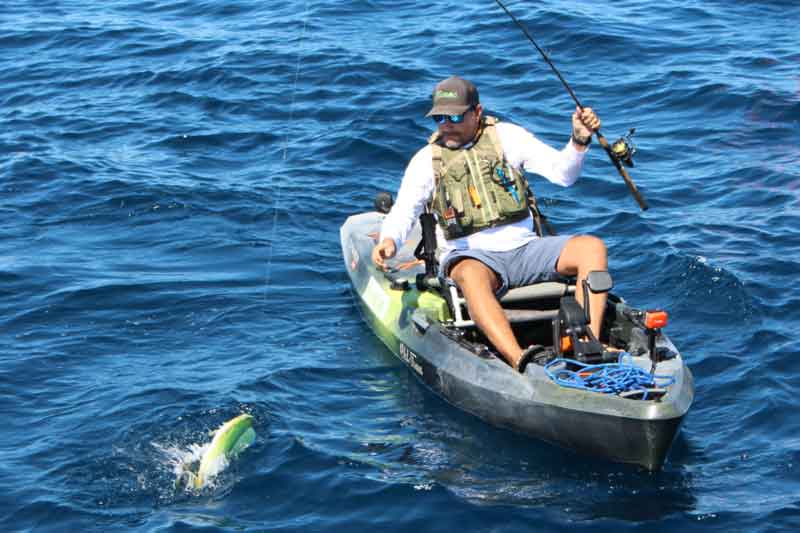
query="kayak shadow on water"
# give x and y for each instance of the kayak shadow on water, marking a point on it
(494, 466)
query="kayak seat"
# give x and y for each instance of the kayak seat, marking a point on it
(528, 295)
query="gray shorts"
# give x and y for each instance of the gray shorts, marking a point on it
(530, 263)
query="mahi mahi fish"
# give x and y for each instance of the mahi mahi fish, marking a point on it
(229, 440)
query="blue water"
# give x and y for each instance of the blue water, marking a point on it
(173, 176)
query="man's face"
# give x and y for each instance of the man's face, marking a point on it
(457, 135)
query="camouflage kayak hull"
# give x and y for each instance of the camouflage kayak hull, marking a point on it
(416, 326)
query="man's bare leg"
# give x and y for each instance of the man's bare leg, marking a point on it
(478, 284)
(581, 255)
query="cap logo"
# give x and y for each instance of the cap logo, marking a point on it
(446, 94)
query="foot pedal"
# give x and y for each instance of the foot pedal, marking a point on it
(572, 323)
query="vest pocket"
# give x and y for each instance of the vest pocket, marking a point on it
(510, 196)
(458, 200)
(462, 205)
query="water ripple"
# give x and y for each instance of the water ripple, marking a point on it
(174, 175)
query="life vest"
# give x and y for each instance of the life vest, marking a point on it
(475, 187)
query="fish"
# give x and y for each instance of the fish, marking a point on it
(229, 440)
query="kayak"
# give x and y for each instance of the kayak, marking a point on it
(428, 330)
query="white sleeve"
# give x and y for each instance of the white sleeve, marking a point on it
(524, 150)
(415, 190)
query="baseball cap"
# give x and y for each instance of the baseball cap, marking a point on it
(453, 96)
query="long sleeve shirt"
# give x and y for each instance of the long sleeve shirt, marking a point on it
(522, 150)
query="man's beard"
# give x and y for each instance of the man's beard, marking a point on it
(452, 143)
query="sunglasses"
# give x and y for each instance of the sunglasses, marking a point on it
(453, 119)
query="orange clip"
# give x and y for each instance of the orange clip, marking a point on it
(473, 194)
(655, 319)
(410, 264)
(566, 344)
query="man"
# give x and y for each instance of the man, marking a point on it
(470, 174)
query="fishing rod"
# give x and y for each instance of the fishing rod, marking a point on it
(622, 150)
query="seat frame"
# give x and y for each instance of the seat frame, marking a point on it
(529, 294)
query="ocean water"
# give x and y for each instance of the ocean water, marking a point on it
(173, 175)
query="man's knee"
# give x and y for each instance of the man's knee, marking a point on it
(471, 272)
(582, 251)
(593, 246)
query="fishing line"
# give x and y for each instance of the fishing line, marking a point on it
(621, 151)
(300, 50)
(544, 54)
(278, 188)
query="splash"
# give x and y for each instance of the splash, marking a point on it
(198, 466)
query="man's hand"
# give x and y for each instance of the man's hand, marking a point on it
(584, 124)
(386, 249)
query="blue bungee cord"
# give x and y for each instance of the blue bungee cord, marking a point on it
(608, 378)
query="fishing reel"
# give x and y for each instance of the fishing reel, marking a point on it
(623, 149)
